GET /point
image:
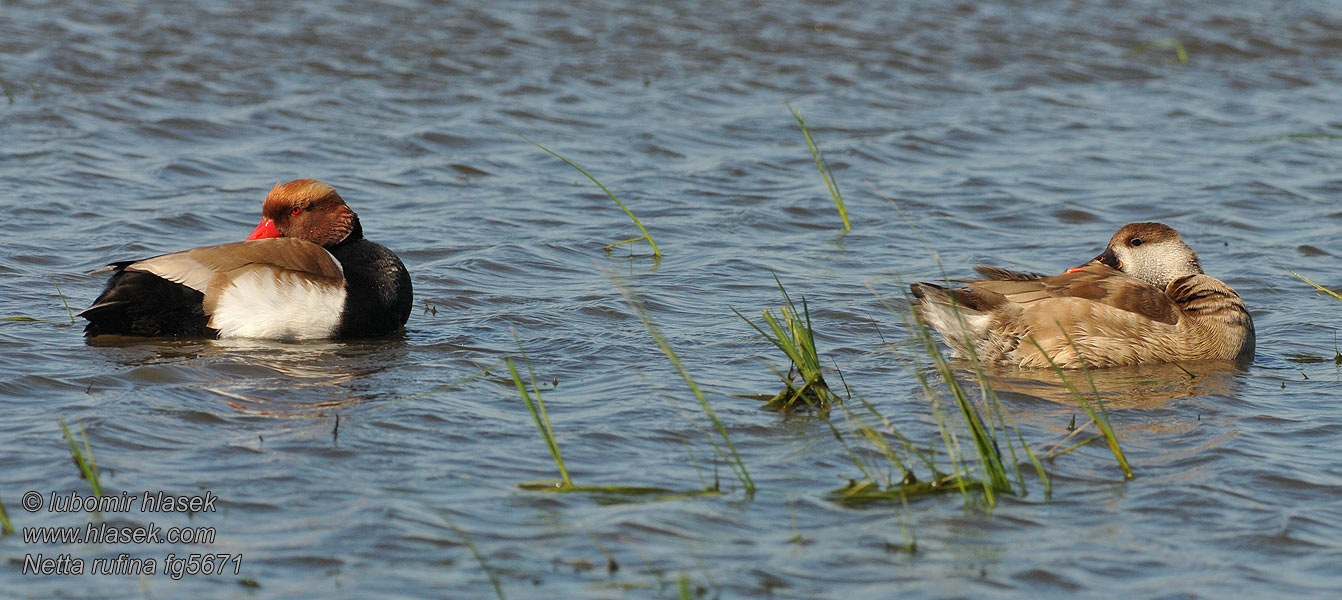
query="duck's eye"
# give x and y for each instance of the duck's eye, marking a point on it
(297, 210)
(1134, 242)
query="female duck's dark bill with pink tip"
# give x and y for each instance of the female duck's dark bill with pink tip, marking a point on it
(306, 272)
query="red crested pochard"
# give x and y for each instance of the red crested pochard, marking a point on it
(305, 273)
(1144, 300)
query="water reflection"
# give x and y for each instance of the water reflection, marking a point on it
(260, 377)
(1139, 387)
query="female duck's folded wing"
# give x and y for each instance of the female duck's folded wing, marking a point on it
(1094, 282)
(1001, 274)
(280, 288)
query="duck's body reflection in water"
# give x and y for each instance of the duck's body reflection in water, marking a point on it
(263, 377)
(1135, 387)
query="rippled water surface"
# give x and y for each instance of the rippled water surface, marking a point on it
(1014, 134)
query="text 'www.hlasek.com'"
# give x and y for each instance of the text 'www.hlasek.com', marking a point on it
(174, 564)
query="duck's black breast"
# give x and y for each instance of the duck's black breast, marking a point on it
(378, 293)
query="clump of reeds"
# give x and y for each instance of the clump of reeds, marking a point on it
(826, 173)
(646, 236)
(536, 407)
(993, 471)
(795, 337)
(726, 449)
(88, 468)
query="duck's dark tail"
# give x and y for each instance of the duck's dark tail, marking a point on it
(144, 304)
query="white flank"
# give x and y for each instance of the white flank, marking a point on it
(944, 318)
(947, 320)
(284, 305)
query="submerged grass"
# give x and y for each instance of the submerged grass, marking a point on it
(826, 173)
(480, 558)
(1178, 46)
(63, 300)
(797, 340)
(726, 450)
(88, 468)
(1095, 411)
(1337, 354)
(538, 413)
(6, 527)
(993, 476)
(565, 484)
(646, 236)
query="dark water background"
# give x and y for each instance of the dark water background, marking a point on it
(1018, 134)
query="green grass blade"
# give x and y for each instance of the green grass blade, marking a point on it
(784, 341)
(626, 210)
(873, 437)
(4, 86)
(1106, 428)
(1098, 416)
(857, 462)
(1001, 420)
(992, 476)
(909, 449)
(820, 163)
(1178, 46)
(63, 301)
(542, 422)
(623, 242)
(87, 466)
(734, 460)
(1029, 452)
(1317, 286)
(480, 558)
(6, 527)
(948, 437)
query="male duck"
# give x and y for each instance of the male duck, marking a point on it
(305, 273)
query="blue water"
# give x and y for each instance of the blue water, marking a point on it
(1021, 136)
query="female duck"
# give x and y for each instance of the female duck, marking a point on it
(1144, 300)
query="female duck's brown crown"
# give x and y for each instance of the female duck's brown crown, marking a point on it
(1151, 252)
